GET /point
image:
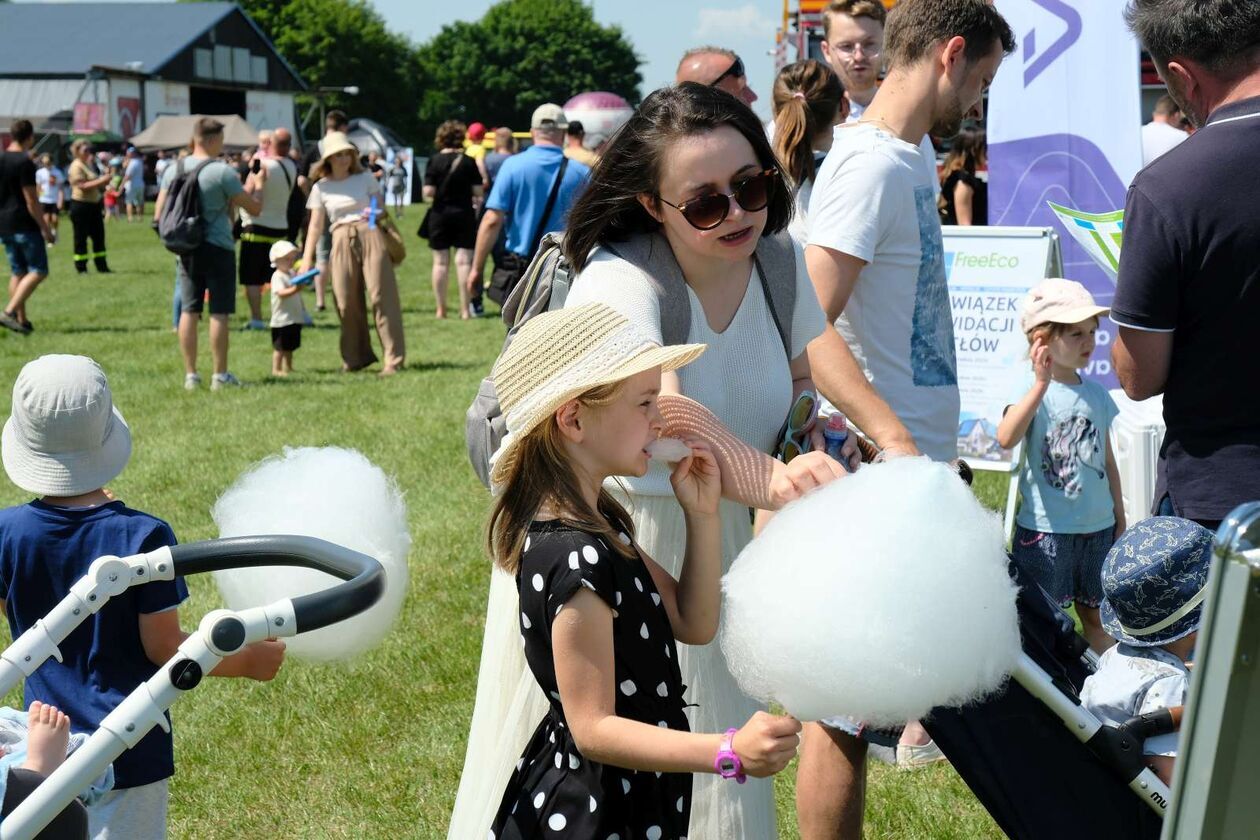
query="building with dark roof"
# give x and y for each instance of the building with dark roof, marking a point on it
(116, 67)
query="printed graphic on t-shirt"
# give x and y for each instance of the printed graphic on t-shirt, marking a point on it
(932, 340)
(1071, 446)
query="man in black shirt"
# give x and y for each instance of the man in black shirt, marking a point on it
(22, 227)
(1188, 297)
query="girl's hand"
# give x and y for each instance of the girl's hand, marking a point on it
(806, 472)
(697, 479)
(1041, 360)
(767, 743)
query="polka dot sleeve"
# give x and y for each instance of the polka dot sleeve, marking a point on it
(559, 563)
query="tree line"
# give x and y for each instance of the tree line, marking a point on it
(520, 54)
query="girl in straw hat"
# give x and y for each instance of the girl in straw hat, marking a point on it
(613, 754)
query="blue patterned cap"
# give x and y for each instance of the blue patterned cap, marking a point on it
(1154, 580)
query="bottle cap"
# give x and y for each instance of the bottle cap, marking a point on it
(837, 423)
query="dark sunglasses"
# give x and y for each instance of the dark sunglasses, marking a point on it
(735, 70)
(707, 211)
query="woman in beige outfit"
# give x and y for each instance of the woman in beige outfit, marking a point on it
(359, 263)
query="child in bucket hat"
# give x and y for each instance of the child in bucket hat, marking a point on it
(598, 619)
(1154, 580)
(63, 442)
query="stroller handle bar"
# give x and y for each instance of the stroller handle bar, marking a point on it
(220, 634)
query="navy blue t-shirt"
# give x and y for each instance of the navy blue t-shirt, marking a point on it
(44, 550)
(1191, 267)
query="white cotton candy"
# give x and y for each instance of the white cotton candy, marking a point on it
(334, 494)
(880, 596)
(668, 449)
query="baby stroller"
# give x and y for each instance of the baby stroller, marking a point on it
(220, 634)
(1042, 765)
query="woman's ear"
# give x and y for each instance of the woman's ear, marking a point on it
(569, 421)
(649, 204)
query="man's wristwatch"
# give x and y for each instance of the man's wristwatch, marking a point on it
(727, 763)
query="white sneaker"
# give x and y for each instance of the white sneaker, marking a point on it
(918, 755)
(192, 381)
(224, 380)
(255, 324)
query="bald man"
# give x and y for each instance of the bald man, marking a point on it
(272, 178)
(716, 67)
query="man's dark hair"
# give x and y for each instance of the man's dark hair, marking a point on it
(21, 131)
(575, 129)
(608, 210)
(1222, 35)
(916, 26)
(206, 127)
(336, 120)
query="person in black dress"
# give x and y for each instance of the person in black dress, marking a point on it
(598, 618)
(964, 196)
(451, 181)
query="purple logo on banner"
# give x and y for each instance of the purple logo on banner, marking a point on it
(1040, 62)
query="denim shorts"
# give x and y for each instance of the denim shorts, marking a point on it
(26, 253)
(1067, 566)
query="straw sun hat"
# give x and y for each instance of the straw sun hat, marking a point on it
(560, 355)
(64, 437)
(337, 141)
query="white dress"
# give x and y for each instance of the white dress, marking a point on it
(744, 379)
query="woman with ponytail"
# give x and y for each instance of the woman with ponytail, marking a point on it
(809, 101)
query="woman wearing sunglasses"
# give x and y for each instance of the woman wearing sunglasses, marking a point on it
(692, 174)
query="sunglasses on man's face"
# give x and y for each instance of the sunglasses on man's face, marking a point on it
(734, 71)
(705, 212)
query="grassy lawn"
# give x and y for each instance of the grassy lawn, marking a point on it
(372, 750)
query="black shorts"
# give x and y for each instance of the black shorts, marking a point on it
(209, 268)
(287, 339)
(255, 264)
(452, 227)
(49, 209)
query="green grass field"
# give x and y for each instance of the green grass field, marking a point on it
(373, 750)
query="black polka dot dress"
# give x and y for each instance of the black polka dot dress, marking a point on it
(555, 792)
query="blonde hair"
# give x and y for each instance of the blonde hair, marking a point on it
(807, 97)
(855, 9)
(541, 474)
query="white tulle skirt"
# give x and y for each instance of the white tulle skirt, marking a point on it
(510, 704)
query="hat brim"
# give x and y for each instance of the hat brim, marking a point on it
(348, 147)
(66, 473)
(666, 358)
(1071, 316)
(1179, 629)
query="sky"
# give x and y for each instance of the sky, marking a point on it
(659, 30)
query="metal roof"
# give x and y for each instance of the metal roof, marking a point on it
(68, 39)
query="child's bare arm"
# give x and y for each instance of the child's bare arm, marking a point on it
(288, 291)
(1018, 417)
(161, 636)
(1117, 497)
(582, 641)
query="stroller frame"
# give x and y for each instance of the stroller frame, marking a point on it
(220, 634)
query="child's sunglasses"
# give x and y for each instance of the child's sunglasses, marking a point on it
(794, 442)
(707, 211)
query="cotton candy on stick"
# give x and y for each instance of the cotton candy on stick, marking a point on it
(879, 596)
(337, 495)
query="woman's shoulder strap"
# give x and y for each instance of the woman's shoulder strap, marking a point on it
(650, 253)
(776, 265)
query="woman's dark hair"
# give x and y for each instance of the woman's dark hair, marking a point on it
(609, 209)
(807, 96)
(968, 151)
(450, 135)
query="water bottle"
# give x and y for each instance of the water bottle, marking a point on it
(835, 433)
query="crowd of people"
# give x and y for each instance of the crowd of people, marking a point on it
(703, 245)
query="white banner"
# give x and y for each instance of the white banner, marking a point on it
(1065, 126)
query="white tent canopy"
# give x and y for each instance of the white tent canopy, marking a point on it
(172, 132)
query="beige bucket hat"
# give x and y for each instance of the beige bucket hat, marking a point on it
(1059, 301)
(560, 355)
(334, 142)
(64, 437)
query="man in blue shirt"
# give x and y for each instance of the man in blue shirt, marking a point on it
(520, 199)
(212, 267)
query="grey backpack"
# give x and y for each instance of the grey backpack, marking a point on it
(545, 285)
(181, 227)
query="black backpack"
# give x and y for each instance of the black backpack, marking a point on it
(181, 227)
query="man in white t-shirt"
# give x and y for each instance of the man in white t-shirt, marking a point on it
(1163, 133)
(875, 254)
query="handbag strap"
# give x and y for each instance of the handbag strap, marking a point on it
(450, 170)
(551, 204)
(774, 312)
